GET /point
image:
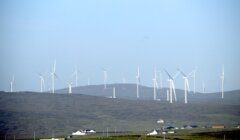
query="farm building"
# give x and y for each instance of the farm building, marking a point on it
(218, 126)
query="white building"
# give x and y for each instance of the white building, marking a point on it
(78, 133)
(154, 132)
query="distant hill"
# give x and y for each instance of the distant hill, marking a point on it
(60, 114)
(128, 91)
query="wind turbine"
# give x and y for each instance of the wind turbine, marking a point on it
(69, 87)
(53, 75)
(11, 84)
(222, 80)
(160, 80)
(138, 81)
(172, 86)
(75, 73)
(193, 74)
(155, 85)
(42, 83)
(186, 84)
(203, 87)
(114, 93)
(105, 78)
(167, 95)
(88, 82)
(124, 80)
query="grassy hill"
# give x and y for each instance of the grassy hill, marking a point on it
(60, 114)
(128, 91)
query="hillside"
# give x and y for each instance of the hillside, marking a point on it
(128, 91)
(60, 114)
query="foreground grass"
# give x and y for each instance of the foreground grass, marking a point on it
(180, 135)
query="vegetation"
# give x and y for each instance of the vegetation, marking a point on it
(61, 114)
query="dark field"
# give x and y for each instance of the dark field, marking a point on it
(60, 114)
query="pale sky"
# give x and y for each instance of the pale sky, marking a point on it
(119, 35)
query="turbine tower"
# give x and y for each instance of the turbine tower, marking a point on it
(69, 87)
(75, 73)
(88, 82)
(11, 84)
(155, 85)
(194, 81)
(124, 80)
(114, 93)
(167, 95)
(138, 81)
(53, 75)
(203, 87)
(193, 74)
(105, 78)
(172, 86)
(222, 80)
(186, 85)
(42, 83)
(160, 80)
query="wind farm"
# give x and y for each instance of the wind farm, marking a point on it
(149, 70)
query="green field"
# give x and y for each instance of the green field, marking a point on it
(193, 134)
(22, 114)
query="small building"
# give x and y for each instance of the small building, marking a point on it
(78, 133)
(154, 132)
(218, 126)
(160, 121)
(54, 139)
(164, 132)
(89, 131)
(171, 132)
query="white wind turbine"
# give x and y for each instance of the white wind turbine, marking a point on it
(167, 95)
(138, 81)
(75, 73)
(124, 80)
(160, 80)
(11, 84)
(194, 79)
(114, 93)
(88, 82)
(155, 85)
(105, 78)
(69, 87)
(42, 83)
(172, 86)
(203, 87)
(186, 85)
(222, 80)
(53, 75)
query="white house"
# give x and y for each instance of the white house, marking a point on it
(92, 131)
(53, 139)
(154, 132)
(78, 133)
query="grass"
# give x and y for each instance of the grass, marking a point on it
(61, 114)
(193, 134)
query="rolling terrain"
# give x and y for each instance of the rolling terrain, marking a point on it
(128, 91)
(60, 114)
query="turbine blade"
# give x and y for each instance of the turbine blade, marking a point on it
(187, 82)
(156, 83)
(13, 79)
(191, 73)
(54, 66)
(181, 73)
(55, 75)
(175, 76)
(170, 77)
(138, 72)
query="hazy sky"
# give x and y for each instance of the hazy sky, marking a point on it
(119, 35)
